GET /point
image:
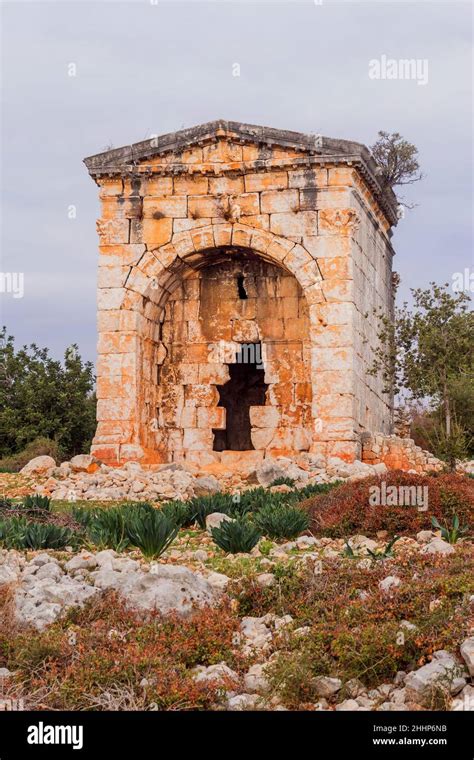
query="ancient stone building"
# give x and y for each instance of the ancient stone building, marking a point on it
(239, 268)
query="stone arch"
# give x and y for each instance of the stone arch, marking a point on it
(156, 276)
(157, 269)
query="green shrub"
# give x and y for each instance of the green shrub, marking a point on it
(106, 528)
(152, 532)
(202, 506)
(19, 533)
(6, 503)
(48, 536)
(37, 503)
(314, 489)
(283, 482)
(83, 516)
(39, 447)
(13, 532)
(179, 513)
(254, 499)
(236, 536)
(282, 521)
(450, 534)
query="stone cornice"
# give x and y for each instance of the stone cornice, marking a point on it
(130, 160)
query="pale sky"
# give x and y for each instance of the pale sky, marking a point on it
(146, 68)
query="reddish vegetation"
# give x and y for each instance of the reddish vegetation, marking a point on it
(346, 510)
(107, 649)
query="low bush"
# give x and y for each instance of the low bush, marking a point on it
(106, 528)
(48, 536)
(20, 533)
(281, 521)
(352, 627)
(36, 503)
(38, 447)
(150, 531)
(114, 649)
(202, 506)
(236, 536)
(283, 481)
(347, 510)
(179, 512)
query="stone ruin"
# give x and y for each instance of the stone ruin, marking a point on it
(239, 270)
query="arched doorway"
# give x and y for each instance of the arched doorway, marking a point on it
(236, 369)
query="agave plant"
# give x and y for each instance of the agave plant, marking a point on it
(83, 516)
(20, 533)
(151, 532)
(236, 536)
(47, 536)
(179, 513)
(283, 481)
(37, 503)
(13, 532)
(106, 529)
(202, 506)
(385, 553)
(349, 552)
(282, 521)
(450, 534)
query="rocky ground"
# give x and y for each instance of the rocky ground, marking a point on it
(265, 665)
(86, 478)
(317, 623)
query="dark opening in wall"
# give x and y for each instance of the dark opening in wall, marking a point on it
(245, 388)
(241, 287)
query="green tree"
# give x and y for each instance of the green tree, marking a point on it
(397, 160)
(429, 353)
(42, 397)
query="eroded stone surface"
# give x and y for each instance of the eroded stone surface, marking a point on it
(231, 234)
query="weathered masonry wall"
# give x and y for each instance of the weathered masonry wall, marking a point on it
(229, 235)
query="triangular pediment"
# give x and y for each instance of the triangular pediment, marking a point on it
(265, 139)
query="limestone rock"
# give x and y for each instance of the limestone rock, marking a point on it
(206, 486)
(467, 652)
(348, 705)
(361, 543)
(219, 581)
(218, 674)
(255, 679)
(387, 585)
(326, 686)
(82, 561)
(42, 600)
(424, 536)
(281, 467)
(265, 580)
(438, 546)
(243, 702)
(443, 672)
(464, 700)
(166, 588)
(84, 463)
(215, 519)
(39, 466)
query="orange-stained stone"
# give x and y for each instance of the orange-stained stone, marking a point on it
(200, 252)
(156, 232)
